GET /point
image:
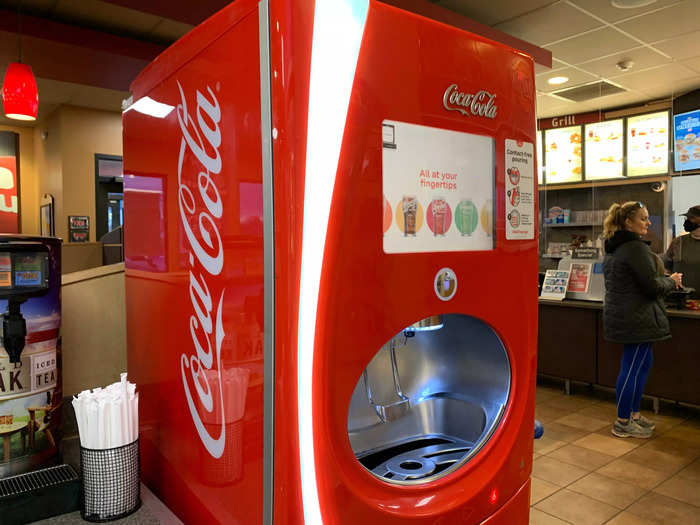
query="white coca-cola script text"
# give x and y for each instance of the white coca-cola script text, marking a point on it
(481, 104)
(203, 207)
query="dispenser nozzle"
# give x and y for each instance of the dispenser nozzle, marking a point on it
(433, 322)
(14, 330)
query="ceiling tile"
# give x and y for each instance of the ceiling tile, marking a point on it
(671, 22)
(666, 75)
(493, 11)
(576, 77)
(549, 24)
(643, 58)
(592, 45)
(605, 10)
(693, 63)
(685, 46)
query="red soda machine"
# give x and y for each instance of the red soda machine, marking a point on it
(331, 298)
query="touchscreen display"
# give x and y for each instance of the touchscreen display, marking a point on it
(438, 187)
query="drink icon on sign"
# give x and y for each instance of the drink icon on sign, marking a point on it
(513, 175)
(386, 216)
(409, 205)
(487, 217)
(439, 216)
(439, 212)
(514, 218)
(466, 217)
(514, 196)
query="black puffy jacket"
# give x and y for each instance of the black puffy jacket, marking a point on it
(634, 310)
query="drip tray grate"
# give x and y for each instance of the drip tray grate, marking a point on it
(418, 459)
(39, 495)
(38, 479)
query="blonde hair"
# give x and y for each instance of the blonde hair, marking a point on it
(618, 214)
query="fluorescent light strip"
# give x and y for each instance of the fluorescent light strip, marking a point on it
(337, 36)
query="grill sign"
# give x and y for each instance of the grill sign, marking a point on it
(480, 104)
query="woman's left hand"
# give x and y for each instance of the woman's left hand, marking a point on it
(678, 279)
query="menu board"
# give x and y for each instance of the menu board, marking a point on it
(686, 139)
(647, 144)
(563, 150)
(604, 150)
(539, 158)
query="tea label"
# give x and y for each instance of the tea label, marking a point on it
(520, 190)
(437, 189)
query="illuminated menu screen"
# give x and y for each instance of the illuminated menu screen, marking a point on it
(604, 150)
(28, 270)
(563, 151)
(686, 135)
(647, 144)
(539, 157)
(23, 270)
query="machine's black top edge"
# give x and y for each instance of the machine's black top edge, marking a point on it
(12, 237)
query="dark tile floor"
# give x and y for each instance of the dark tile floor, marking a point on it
(582, 475)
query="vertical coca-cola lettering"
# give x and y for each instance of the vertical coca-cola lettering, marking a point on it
(481, 104)
(200, 143)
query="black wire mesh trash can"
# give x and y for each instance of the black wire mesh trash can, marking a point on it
(111, 484)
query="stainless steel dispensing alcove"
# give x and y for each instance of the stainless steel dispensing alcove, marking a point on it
(429, 399)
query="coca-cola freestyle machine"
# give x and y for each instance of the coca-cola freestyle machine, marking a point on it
(331, 295)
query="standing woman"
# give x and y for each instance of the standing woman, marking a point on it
(633, 313)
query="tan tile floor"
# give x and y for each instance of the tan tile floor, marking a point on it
(582, 475)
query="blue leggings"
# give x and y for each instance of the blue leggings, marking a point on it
(634, 369)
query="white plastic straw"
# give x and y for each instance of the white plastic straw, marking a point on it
(107, 417)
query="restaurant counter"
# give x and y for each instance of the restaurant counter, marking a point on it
(572, 347)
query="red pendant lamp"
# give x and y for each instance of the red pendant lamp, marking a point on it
(20, 96)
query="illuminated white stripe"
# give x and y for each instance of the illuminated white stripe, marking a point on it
(337, 35)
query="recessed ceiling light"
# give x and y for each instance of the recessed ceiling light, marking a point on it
(555, 81)
(631, 4)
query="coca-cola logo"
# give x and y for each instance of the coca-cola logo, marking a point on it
(202, 206)
(479, 104)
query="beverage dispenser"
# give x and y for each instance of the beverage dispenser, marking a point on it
(331, 302)
(30, 373)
